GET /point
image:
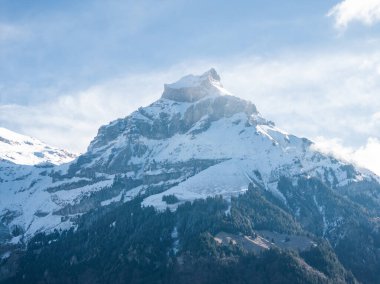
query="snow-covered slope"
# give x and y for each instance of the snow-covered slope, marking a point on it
(23, 162)
(25, 150)
(196, 141)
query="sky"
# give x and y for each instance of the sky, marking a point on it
(313, 67)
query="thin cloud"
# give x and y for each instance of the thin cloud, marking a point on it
(364, 11)
(10, 32)
(72, 120)
(330, 94)
(363, 156)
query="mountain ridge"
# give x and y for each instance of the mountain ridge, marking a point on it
(198, 146)
(164, 146)
(25, 150)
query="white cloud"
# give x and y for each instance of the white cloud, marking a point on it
(71, 121)
(365, 156)
(334, 147)
(363, 11)
(10, 32)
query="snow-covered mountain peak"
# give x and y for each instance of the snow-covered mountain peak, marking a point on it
(191, 81)
(192, 88)
(196, 141)
(25, 150)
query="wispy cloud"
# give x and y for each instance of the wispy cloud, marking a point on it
(363, 11)
(10, 32)
(328, 94)
(364, 156)
(72, 120)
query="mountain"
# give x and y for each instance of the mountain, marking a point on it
(22, 160)
(24, 150)
(197, 174)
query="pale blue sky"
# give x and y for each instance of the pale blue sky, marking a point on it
(66, 67)
(65, 45)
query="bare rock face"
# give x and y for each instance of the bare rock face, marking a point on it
(193, 88)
